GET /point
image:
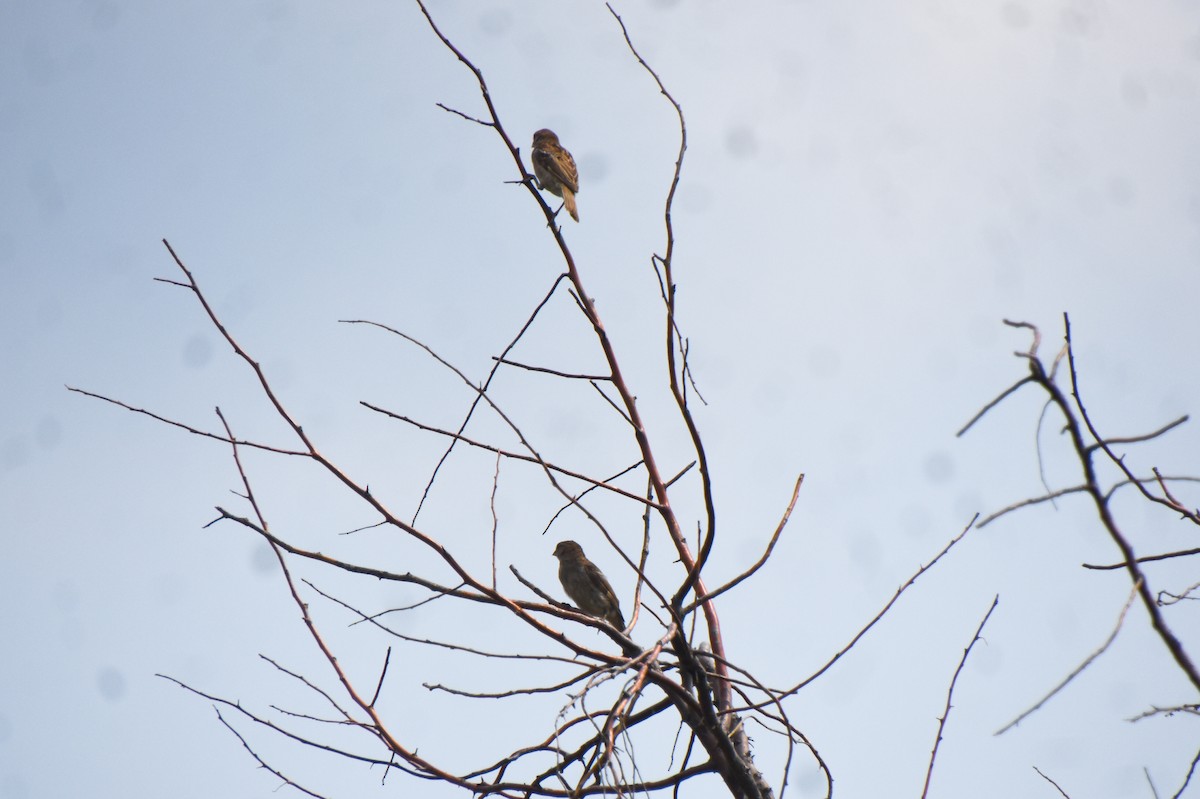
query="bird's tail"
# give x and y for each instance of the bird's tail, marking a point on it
(569, 201)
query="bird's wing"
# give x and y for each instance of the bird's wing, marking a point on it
(561, 165)
(597, 577)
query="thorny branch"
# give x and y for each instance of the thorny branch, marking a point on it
(950, 695)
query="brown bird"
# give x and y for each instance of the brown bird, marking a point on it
(555, 169)
(586, 584)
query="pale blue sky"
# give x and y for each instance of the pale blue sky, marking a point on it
(869, 189)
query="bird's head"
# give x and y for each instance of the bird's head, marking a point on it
(568, 549)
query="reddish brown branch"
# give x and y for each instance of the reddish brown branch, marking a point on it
(738, 778)
(693, 565)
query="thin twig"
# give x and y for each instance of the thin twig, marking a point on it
(1003, 395)
(1139, 439)
(286, 780)
(495, 518)
(467, 117)
(189, 428)
(1167, 598)
(1193, 710)
(614, 405)
(517, 456)
(1193, 515)
(547, 370)
(496, 368)
(1144, 559)
(680, 474)
(1079, 489)
(1078, 669)
(1052, 782)
(387, 659)
(283, 731)
(858, 636)
(787, 514)
(950, 695)
(1188, 777)
(585, 492)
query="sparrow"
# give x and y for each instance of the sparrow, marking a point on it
(555, 169)
(586, 584)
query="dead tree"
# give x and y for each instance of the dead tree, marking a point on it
(639, 710)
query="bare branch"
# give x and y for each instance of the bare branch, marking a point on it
(467, 117)
(286, 780)
(881, 613)
(1079, 489)
(1193, 710)
(546, 370)
(1173, 644)
(1168, 598)
(495, 518)
(603, 483)
(1188, 777)
(950, 695)
(1078, 670)
(1138, 439)
(507, 453)
(982, 411)
(614, 405)
(759, 563)
(1052, 782)
(1034, 344)
(189, 428)
(275, 727)
(1144, 559)
(486, 383)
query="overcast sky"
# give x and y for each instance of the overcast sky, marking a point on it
(869, 189)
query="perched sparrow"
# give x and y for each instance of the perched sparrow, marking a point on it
(555, 169)
(586, 585)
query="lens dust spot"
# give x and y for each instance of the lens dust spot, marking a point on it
(197, 352)
(48, 433)
(741, 142)
(111, 684)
